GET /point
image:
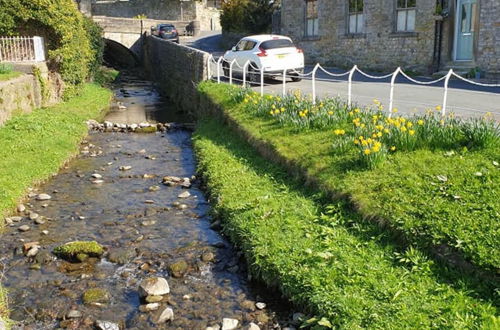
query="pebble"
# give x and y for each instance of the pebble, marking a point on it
(260, 305)
(125, 168)
(16, 219)
(43, 197)
(153, 286)
(98, 181)
(73, 314)
(32, 252)
(24, 228)
(45, 232)
(253, 326)
(106, 325)
(186, 297)
(166, 315)
(96, 176)
(229, 324)
(215, 327)
(39, 221)
(185, 194)
(33, 215)
(8, 221)
(149, 201)
(207, 257)
(146, 223)
(21, 208)
(150, 307)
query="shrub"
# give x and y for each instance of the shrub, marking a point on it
(71, 48)
(246, 16)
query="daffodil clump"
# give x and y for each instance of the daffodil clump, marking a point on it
(372, 131)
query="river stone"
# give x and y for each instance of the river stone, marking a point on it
(76, 249)
(121, 256)
(214, 327)
(229, 324)
(178, 268)
(33, 215)
(73, 314)
(153, 286)
(185, 194)
(32, 252)
(165, 315)
(253, 326)
(260, 305)
(16, 219)
(96, 176)
(21, 208)
(95, 295)
(9, 221)
(125, 168)
(149, 307)
(106, 325)
(24, 228)
(40, 221)
(208, 257)
(153, 299)
(43, 197)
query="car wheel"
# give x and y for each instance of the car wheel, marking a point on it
(253, 76)
(296, 79)
(225, 68)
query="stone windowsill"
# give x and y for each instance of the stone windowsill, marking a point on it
(403, 35)
(310, 38)
(354, 36)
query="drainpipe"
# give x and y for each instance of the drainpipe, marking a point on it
(438, 37)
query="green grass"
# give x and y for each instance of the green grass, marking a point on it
(322, 256)
(428, 197)
(9, 75)
(35, 145)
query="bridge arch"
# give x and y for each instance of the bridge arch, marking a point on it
(118, 55)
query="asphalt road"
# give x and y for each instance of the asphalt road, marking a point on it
(464, 99)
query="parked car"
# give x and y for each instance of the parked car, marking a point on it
(274, 53)
(166, 31)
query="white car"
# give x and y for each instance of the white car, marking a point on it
(274, 53)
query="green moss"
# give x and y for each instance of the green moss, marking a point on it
(95, 295)
(178, 268)
(149, 129)
(79, 249)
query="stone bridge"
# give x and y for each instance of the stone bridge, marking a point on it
(124, 36)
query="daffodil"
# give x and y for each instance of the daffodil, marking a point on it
(367, 151)
(393, 148)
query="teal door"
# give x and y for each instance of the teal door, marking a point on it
(466, 21)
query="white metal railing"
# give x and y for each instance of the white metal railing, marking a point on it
(312, 75)
(22, 49)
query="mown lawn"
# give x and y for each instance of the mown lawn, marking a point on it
(429, 198)
(9, 75)
(33, 146)
(345, 271)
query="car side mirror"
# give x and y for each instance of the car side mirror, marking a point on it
(233, 49)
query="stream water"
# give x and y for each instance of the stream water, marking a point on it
(145, 228)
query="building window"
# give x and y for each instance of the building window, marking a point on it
(311, 18)
(405, 15)
(355, 16)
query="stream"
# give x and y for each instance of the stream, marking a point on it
(114, 193)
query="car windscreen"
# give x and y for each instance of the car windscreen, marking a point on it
(276, 43)
(166, 28)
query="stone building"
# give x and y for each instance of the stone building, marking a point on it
(420, 35)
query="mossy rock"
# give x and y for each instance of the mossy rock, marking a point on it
(79, 250)
(149, 129)
(95, 295)
(178, 268)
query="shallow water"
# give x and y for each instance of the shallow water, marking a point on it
(147, 223)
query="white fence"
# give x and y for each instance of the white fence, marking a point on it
(22, 49)
(248, 68)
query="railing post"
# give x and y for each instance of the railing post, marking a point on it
(314, 83)
(219, 63)
(231, 72)
(209, 61)
(391, 96)
(262, 81)
(349, 88)
(39, 50)
(245, 66)
(284, 83)
(448, 76)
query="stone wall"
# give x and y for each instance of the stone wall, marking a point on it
(380, 47)
(176, 69)
(29, 91)
(162, 10)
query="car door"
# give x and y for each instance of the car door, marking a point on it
(234, 53)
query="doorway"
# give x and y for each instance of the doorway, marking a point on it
(465, 20)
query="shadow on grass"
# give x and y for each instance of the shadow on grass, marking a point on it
(468, 281)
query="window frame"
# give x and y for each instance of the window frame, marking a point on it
(355, 13)
(314, 19)
(406, 9)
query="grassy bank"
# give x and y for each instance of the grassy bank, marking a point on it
(322, 255)
(35, 145)
(438, 193)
